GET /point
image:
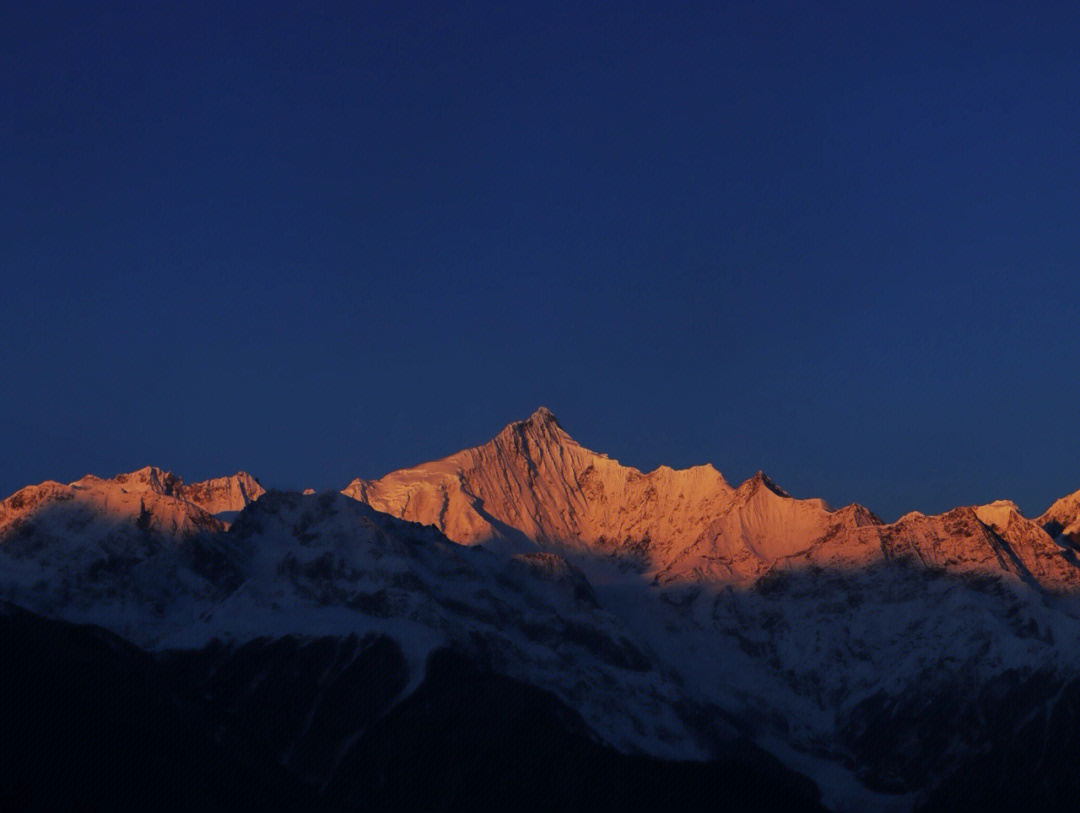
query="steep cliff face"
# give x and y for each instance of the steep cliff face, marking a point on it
(533, 486)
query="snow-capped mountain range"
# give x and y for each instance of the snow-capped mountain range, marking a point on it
(677, 616)
(533, 485)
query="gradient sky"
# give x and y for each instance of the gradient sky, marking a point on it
(836, 243)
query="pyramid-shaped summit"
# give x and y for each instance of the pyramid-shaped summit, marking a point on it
(534, 486)
(542, 415)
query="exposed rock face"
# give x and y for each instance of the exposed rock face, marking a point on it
(534, 486)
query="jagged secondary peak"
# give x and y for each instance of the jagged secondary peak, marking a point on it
(998, 514)
(222, 495)
(219, 495)
(149, 478)
(96, 514)
(762, 480)
(1062, 519)
(761, 486)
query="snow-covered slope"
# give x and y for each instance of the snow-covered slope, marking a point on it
(164, 574)
(93, 544)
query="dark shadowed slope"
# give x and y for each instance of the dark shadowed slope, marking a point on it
(94, 724)
(90, 724)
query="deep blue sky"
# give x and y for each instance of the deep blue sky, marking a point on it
(836, 243)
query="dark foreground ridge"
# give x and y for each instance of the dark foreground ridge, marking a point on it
(90, 724)
(481, 740)
(95, 724)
